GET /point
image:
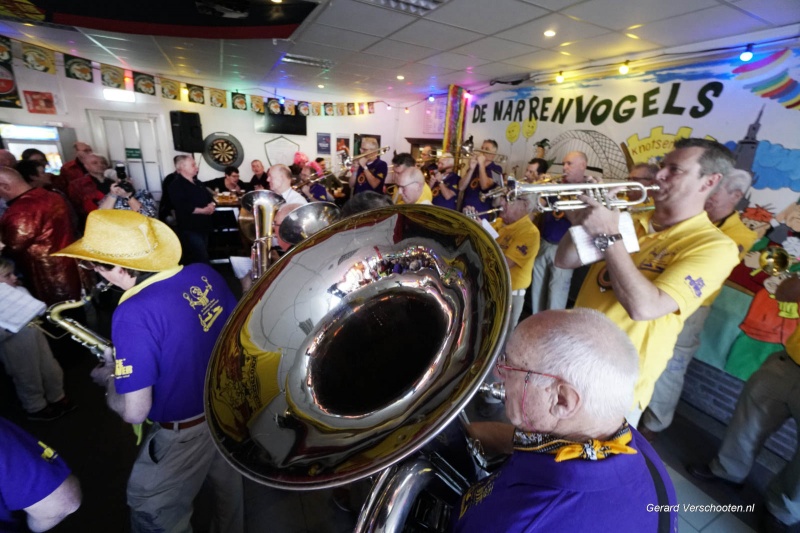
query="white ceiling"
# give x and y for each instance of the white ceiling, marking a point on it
(466, 42)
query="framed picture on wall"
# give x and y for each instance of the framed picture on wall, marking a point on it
(323, 143)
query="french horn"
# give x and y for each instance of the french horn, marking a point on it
(356, 348)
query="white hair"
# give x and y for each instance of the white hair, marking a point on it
(595, 356)
(737, 180)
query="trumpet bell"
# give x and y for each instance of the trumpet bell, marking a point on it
(775, 261)
(307, 220)
(357, 347)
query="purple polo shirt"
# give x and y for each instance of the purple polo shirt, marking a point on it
(451, 181)
(378, 169)
(164, 335)
(473, 190)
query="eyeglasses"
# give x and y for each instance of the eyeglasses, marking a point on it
(502, 368)
(403, 187)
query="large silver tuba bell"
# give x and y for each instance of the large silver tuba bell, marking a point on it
(308, 219)
(357, 347)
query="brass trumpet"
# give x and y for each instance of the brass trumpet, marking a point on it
(476, 216)
(467, 151)
(564, 196)
(325, 176)
(348, 161)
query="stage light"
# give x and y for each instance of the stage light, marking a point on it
(407, 111)
(560, 77)
(431, 98)
(623, 69)
(747, 55)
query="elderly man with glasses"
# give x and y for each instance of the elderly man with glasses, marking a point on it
(412, 188)
(575, 464)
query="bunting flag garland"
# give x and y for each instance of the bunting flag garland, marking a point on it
(144, 83)
(9, 97)
(196, 94)
(239, 101)
(42, 59)
(38, 58)
(111, 76)
(170, 89)
(218, 98)
(257, 104)
(78, 68)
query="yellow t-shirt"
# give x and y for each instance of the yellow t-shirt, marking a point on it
(425, 198)
(744, 238)
(688, 261)
(793, 345)
(520, 243)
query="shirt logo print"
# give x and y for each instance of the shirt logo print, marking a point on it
(209, 307)
(696, 285)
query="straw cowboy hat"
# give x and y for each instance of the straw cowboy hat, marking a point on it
(127, 239)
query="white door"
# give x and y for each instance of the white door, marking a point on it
(130, 139)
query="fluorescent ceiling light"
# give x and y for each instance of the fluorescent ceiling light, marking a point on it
(307, 61)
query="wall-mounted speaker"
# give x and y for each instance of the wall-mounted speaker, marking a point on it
(187, 132)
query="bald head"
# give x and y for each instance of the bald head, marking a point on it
(7, 159)
(411, 184)
(279, 178)
(575, 167)
(590, 354)
(12, 184)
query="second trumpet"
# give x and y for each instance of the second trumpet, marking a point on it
(564, 196)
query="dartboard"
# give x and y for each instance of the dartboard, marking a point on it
(222, 150)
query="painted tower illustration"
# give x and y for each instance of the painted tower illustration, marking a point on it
(745, 152)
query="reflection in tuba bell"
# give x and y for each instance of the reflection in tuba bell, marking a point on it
(255, 221)
(358, 347)
(308, 219)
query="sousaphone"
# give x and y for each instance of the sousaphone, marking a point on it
(357, 347)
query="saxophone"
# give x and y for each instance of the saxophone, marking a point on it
(96, 344)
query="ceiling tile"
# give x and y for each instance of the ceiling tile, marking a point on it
(418, 71)
(465, 79)
(775, 11)
(486, 17)
(544, 60)
(328, 35)
(321, 52)
(553, 5)
(566, 29)
(608, 13)
(727, 21)
(433, 35)
(350, 15)
(494, 49)
(608, 45)
(398, 50)
(453, 61)
(370, 60)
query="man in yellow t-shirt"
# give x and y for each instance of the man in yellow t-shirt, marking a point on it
(768, 399)
(721, 209)
(412, 188)
(683, 258)
(518, 237)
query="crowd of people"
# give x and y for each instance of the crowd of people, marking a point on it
(586, 388)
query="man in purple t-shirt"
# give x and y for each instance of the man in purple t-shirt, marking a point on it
(575, 463)
(164, 331)
(483, 175)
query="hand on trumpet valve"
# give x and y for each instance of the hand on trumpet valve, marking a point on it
(596, 218)
(471, 212)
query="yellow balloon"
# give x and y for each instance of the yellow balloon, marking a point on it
(512, 132)
(529, 128)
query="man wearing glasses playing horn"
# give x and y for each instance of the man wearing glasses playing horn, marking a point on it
(575, 464)
(682, 258)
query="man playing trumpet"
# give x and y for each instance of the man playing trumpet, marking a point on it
(480, 177)
(371, 172)
(682, 259)
(444, 183)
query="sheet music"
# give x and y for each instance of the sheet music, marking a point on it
(17, 308)
(584, 243)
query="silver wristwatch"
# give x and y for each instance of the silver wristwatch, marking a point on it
(604, 241)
